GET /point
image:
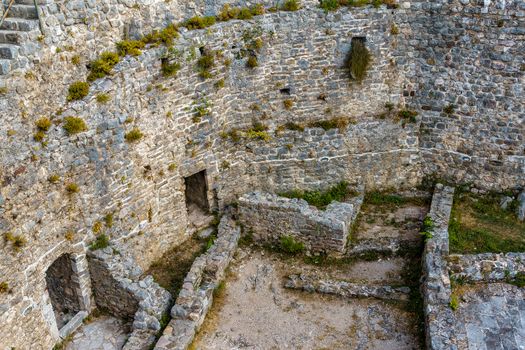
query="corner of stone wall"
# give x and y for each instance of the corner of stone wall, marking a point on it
(196, 295)
(270, 217)
(120, 288)
(439, 317)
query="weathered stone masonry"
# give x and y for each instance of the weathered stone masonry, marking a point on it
(269, 217)
(482, 141)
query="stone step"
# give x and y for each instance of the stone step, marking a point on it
(10, 36)
(5, 66)
(20, 24)
(8, 51)
(23, 11)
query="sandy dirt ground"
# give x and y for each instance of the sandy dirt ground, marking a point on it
(256, 312)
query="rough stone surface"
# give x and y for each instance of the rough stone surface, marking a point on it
(120, 288)
(345, 289)
(439, 318)
(104, 333)
(486, 267)
(196, 295)
(447, 52)
(490, 316)
(269, 217)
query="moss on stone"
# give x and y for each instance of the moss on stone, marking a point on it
(43, 124)
(78, 90)
(74, 125)
(130, 47)
(291, 5)
(72, 188)
(134, 135)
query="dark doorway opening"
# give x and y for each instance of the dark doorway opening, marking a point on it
(63, 286)
(197, 199)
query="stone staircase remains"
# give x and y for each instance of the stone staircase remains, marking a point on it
(21, 19)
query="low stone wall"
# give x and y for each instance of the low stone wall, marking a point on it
(270, 217)
(196, 295)
(120, 287)
(439, 318)
(312, 283)
(486, 267)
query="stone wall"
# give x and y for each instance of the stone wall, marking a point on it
(269, 217)
(439, 317)
(468, 54)
(121, 289)
(487, 267)
(196, 295)
(142, 184)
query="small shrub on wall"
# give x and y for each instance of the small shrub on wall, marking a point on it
(291, 5)
(74, 125)
(77, 91)
(359, 59)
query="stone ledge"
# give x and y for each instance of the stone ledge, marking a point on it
(488, 267)
(312, 283)
(439, 318)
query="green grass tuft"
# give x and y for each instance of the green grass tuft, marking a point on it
(291, 5)
(289, 245)
(74, 125)
(101, 242)
(134, 135)
(321, 199)
(479, 225)
(78, 90)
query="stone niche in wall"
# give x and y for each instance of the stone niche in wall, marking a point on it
(269, 217)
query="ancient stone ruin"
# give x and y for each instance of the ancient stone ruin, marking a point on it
(264, 174)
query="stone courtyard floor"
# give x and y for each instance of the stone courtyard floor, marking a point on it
(103, 333)
(255, 311)
(491, 317)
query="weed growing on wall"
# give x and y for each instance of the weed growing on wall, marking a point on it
(103, 98)
(359, 60)
(290, 245)
(102, 66)
(77, 91)
(74, 125)
(205, 64)
(321, 199)
(291, 5)
(101, 242)
(334, 123)
(18, 242)
(134, 135)
(130, 47)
